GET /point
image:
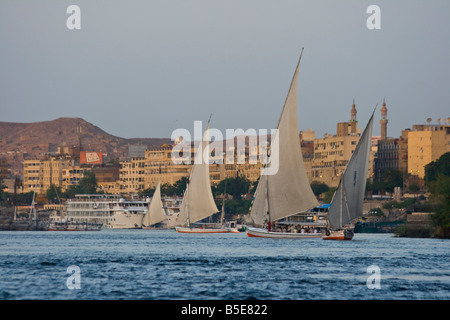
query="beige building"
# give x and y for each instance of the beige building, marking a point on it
(32, 175)
(132, 175)
(426, 143)
(332, 153)
(39, 174)
(160, 167)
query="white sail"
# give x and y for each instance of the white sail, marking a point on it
(155, 212)
(347, 201)
(198, 201)
(288, 191)
(259, 209)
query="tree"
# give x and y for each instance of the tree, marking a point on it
(329, 195)
(435, 168)
(392, 178)
(236, 206)
(53, 193)
(319, 187)
(147, 192)
(440, 194)
(414, 188)
(180, 186)
(86, 185)
(233, 186)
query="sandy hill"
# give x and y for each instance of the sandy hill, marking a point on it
(20, 141)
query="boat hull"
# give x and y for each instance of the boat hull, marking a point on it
(345, 234)
(264, 233)
(123, 220)
(206, 230)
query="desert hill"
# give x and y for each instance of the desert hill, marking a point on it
(19, 141)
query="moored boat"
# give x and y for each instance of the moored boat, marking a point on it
(112, 211)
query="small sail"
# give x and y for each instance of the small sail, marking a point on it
(198, 201)
(347, 201)
(155, 213)
(259, 208)
(288, 191)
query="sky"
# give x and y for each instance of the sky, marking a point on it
(141, 69)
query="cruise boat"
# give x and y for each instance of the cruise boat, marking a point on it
(112, 211)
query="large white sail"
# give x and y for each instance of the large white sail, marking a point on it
(347, 201)
(198, 201)
(288, 191)
(155, 213)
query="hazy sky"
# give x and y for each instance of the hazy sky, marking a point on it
(145, 68)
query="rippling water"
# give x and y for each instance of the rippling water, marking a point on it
(148, 264)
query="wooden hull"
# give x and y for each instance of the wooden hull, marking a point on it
(206, 230)
(264, 233)
(345, 234)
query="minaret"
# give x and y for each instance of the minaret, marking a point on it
(353, 112)
(383, 121)
(353, 121)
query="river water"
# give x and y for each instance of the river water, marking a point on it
(166, 265)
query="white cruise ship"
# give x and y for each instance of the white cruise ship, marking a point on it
(113, 211)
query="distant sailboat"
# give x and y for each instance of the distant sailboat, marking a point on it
(198, 201)
(287, 192)
(347, 202)
(155, 213)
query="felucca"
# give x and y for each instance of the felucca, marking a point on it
(155, 213)
(347, 202)
(286, 192)
(198, 201)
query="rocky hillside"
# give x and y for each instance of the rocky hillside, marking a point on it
(20, 141)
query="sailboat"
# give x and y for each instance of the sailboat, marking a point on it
(198, 201)
(347, 202)
(155, 213)
(287, 192)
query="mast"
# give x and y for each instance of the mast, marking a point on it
(340, 207)
(269, 225)
(222, 217)
(187, 205)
